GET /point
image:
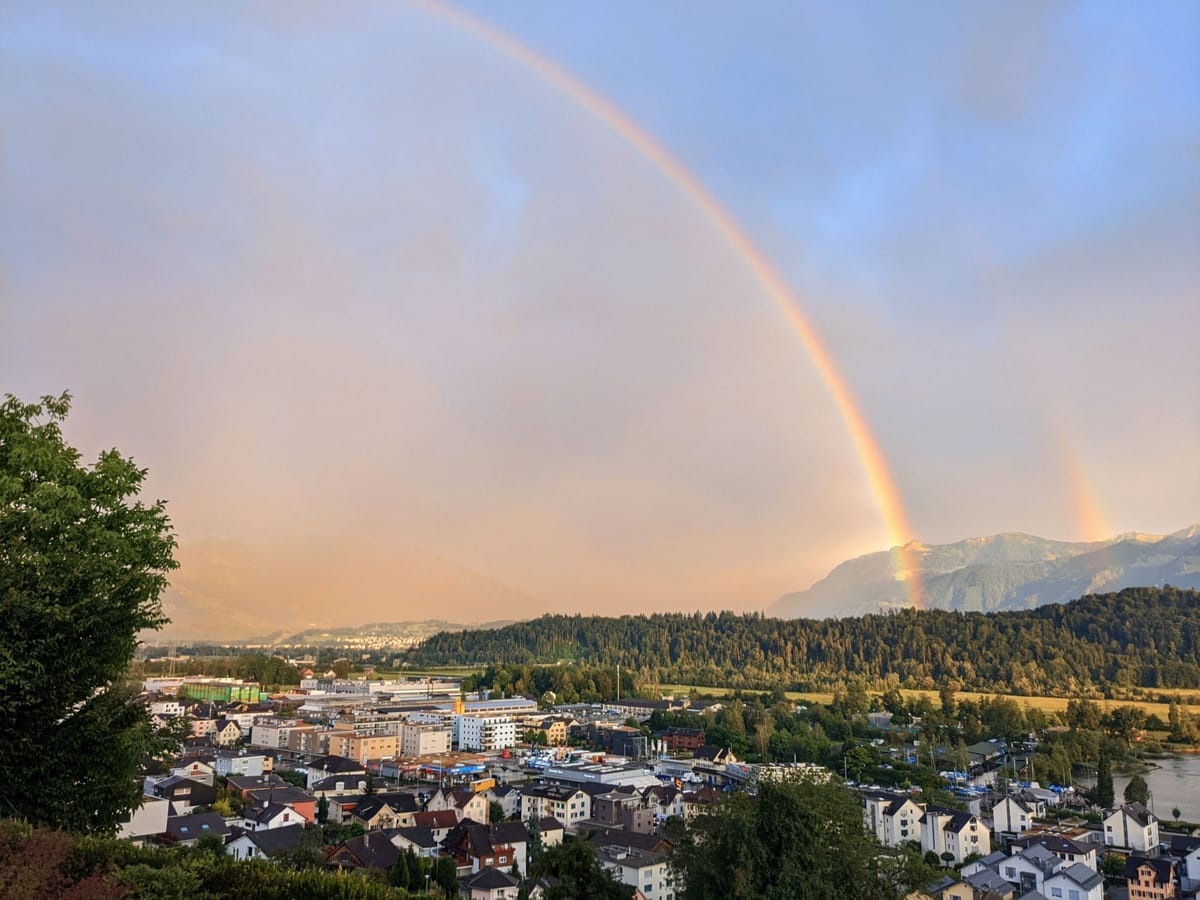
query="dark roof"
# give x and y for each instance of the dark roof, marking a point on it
(1085, 877)
(708, 751)
(372, 849)
(265, 813)
(509, 832)
(284, 793)
(647, 843)
(437, 818)
(256, 782)
(1164, 867)
(188, 828)
(350, 783)
(1139, 814)
(422, 837)
(273, 841)
(336, 764)
(401, 801)
(489, 879)
(1055, 843)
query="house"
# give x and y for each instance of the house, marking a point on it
(266, 844)
(1068, 850)
(1188, 851)
(467, 803)
(234, 762)
(184, 793)
(476, 846)
(646, 870)
(185, 831)
(372, 850)
(650, 843)
(267, 815)
(339, 785)
(569, 805)
(698, 801)
(983, 883)
(1131, 827)
(196, 770)
(489, 884)
(147, 820)
(304, 804)
(419, 840)
(624, 808)
(1076, 882)
(324, 766)
(1151, 878)
(374, 813)
(664, 803)
(714, 754)
(438, 821)
(248, 784)
(1029, 868)
(507, 796)
(893, 818)
(950, 831)
(226, 733)
(1014, 815)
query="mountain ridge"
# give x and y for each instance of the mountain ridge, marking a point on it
(1006, 571)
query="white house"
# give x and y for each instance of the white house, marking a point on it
(1029, 868)
(1131, 827)
(267, 815)
(1014, 815)
(646, 870)
(950, 831)
(1076, 882)
(147, 820)
(892, 818)
(266, 843)
(197, 770)
(228, 763)
(570, 805)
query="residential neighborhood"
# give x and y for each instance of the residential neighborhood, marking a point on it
(379, 770)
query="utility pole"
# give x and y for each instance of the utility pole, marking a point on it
(618, 682)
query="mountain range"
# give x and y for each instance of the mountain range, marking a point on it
(1004, 572)
(227, 589)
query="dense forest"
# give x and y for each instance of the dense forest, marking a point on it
(1140, 637)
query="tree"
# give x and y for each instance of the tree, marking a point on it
(1137, 791)
(1102, 794)
(83, 563)
(1112, 865)
(323, 810)
(799, 839)
(574, 864)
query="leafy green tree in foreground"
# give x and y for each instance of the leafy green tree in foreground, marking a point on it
(801, 840)
(82, 564)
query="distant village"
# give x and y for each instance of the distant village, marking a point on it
(419, 766)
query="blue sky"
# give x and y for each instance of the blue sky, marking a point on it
(353, 270)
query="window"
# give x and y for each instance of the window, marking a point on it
(1056, 892)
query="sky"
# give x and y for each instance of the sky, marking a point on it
(348, 275)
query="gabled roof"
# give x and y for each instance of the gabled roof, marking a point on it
(1138, 813)
(489, 879)
(1164, 867)
(285, 794)
(1083, 876)
(646, 843)
(351, 783)
(436, 818)
(418, 836)
(333, 764)
(256, 782)
(265, 813)
(188, 828)
(273, 841)
(372, 850)
(1055, 843)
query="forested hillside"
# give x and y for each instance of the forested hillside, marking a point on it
(1148, 637)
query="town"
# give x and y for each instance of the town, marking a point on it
(463, 791)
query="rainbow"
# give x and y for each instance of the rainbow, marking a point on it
(883, 488)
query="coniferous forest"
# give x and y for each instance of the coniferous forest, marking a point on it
(1139, 637)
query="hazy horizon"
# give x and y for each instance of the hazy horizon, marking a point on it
(358, 273)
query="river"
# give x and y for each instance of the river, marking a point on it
(1176, 783)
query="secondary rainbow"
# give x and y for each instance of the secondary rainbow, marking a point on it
(883, 488)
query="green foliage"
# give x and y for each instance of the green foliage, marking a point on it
(801, 840)
(1137, 791)
(39, 862)
(1102, 793)
(1140, 636)
(1112, 865)
(574, 863)
(82, 565)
